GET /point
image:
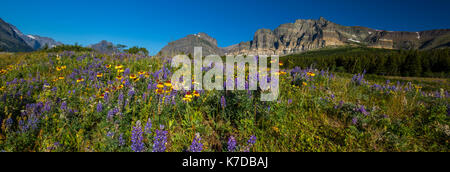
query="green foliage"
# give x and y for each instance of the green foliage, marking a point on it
(137, 50)
(428, 63)
(60, 48)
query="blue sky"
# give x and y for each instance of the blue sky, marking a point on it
(152, 24)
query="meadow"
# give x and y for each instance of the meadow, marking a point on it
(87, 102)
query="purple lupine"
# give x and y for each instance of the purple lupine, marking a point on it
(223, 102)
(159, 144)
(131, 93)
(106, 97)
(196, 146)
(148, 127)
(121, 140)
(363, 110)
(354, 120)
(289, 101)
(250, 143)
(231, 144)
(136, 138)
(63, 106)
(99, 107)
(110, 134)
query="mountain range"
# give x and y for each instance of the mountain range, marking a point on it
(12, 40)
(290, 38)
(306, 35)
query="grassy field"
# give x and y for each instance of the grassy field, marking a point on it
(87, 102)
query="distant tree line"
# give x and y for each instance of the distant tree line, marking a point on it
(428, 63)
(59, 48)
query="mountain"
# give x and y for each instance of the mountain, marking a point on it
(9, 32)
(104, 47)
(305, 35)
(186, 46)
(10, 40)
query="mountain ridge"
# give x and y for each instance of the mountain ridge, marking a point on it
(311, 34)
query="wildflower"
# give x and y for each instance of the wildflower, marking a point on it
(159, 144)
(63, 106)
(159, 91)
(127, 71)
(58, 69)
(231, 144)
(252, 140)
(80, 80)
(99, 75)
(311, 74)
(133, 76)
(61, 77)
(119, 67)
(168, 84)
(354, 120)
(196, 94)
(304, 84)
(148, 126)
(141, 73)
(63, 67)
(196, 146)
(108, 66)
(160, 85)
(136, 138)
(147, 75)
(119, 77)
(120, 70)
(121, 141)
(120, 87)
(281, 64)
(362, 109)
(99, 107)
(131, 93)
(223, 102)
(289, 101)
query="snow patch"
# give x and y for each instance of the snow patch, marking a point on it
(31, 36)
(354, 40)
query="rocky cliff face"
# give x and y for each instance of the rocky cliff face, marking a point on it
(104, 47)
(305, 35)
(186, 46)
(10, 41)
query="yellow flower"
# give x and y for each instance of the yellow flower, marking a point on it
(80, 80)
(58, 69)
(99, 75)
(61, 77)
(120, 70)
(159, 91)
(133, 76)
(3, 71)
(305, 84)
(63, 67)
(187, 99)
(119, 77)
(168, 84)
(188, 95)
(108, 66)
(120, 87)
(196, 94)
(281, 64)
(160, 86)
(119, 67)
(46, 86)
(141, 73)
(311, 74)
(147, 75)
